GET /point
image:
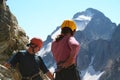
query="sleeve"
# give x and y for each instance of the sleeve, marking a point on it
(14, 59)
(74, 46)
(42, 66)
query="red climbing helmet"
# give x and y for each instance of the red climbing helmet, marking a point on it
(37, 42)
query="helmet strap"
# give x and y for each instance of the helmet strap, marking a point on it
(33, 47)
(33, 50)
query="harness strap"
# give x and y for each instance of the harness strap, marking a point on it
(60, 68)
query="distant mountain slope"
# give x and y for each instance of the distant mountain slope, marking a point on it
(98, 37)
(113, 71)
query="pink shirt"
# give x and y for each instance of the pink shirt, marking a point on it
(62, 49)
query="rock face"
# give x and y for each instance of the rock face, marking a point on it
(12, 38)
(5, 74)
(113, 72)
(101, 42)
(94, 38)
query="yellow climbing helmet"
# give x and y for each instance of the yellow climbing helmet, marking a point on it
(69, 23)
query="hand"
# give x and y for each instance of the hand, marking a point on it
(50, 75)
(7, 65)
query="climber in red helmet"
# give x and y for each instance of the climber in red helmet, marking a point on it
(29, 63)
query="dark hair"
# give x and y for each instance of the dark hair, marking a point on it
(64, 31)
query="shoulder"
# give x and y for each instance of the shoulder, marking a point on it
(38, 58)
(72, 40)
(21, 52)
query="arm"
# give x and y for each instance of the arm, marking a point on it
(7, 65)
(50, 75)
(12, 61)
(45, 70)
(74, 46)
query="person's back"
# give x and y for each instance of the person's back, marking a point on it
(65, 49)
(62, 49)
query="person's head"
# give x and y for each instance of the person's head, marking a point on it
(35, 44)
(67, 27)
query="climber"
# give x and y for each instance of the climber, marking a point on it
(65, 50)
(29, 63)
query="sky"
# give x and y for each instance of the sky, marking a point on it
(39, 18)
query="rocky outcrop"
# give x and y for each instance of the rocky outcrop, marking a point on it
(12, 38)
(94, 38)
(99, 49)
(115, 43)
(113, 72)
(5, 74)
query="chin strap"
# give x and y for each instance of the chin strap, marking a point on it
(32, 46)
(33, 50)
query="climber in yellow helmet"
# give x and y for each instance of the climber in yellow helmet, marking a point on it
(65, 50)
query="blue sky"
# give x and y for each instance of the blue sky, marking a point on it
(40, 17)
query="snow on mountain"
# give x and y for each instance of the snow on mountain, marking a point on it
(90, 73)
(45, 49)
(53, 36)
(94, 24)
(83, 17)
(82, 21)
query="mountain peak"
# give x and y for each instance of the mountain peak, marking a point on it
(88, 12)
(93, 10)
